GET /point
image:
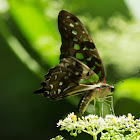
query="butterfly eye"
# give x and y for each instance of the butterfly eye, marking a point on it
(112, 89)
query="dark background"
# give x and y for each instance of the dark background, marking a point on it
(29, 46)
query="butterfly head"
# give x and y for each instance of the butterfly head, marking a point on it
(103, 90)
(112, 88)
(109, 87)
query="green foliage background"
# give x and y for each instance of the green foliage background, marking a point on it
(30, 45)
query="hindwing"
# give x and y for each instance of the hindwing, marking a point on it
(67, 79)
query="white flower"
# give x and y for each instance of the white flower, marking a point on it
(59, 123)
(114, 126)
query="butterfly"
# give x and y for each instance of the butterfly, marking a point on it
(80, 70)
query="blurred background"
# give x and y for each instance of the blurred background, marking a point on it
(30, 45)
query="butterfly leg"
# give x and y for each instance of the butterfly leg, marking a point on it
(102, 109)
(109, 105)
(112, 107)
(94, 103)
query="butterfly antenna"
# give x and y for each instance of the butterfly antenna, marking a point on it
(122, 80)
(118, 84)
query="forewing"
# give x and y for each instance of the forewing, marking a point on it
(63, 80)
(76, 42)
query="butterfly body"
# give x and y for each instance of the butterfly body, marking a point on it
(99, 91)
(80, 70)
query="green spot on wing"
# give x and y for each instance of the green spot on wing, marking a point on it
(60, 69)
(69, 74)
(47, 92)
(93, 68)
(59, 90)
(85, 39)
(68, 16)
(96, 77)
(89, 59)
(84, 81)
(74, 32)
(79, 56)
(51, 86)
(97, 64)
(91, 49)
(93, 78)
(71, 25)
(55, 77)
(85, 48)
(76, 47)
(61, 83)
(84, 63)
(66, 77)
(66, 64)
(75, 39)
(76, 73)
(99, 73)
(94, 55)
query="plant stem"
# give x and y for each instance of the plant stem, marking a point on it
(94, 137)
(135, 135)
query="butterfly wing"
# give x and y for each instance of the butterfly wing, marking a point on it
(79, 60)
(76, 42)
(63, 80)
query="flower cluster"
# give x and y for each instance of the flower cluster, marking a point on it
(110, 127)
